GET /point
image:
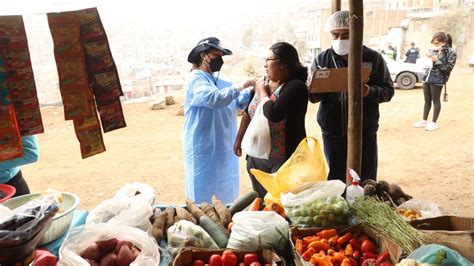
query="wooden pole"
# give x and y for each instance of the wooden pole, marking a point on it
(336, 6)
(354, 137)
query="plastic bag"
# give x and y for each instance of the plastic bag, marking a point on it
(320, 204)
(306, 164)
(82, 237)
(257, 141)
(426, 208)
(429, 254)
(254, 231)
(185, 234)
(134, 211)
(133, 189)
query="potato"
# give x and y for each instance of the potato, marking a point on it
(109, 260)
(107, 245)
(120, 243)
(92, 252)
(124, 256)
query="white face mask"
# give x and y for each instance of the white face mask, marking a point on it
(341, 47)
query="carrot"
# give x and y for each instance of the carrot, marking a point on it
(328, 233)
(308, 254)
(345, 238)
(318, 245)
(255, 205)
(299, 246)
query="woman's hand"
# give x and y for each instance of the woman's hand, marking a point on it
(238, 148)
(246, 84)
(434, 58)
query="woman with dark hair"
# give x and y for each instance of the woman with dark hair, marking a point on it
(210, 125)
(443, 57)
(285, 100)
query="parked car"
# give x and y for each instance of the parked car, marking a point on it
(405, 75)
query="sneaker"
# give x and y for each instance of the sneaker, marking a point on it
(421, 123)
(431, 126)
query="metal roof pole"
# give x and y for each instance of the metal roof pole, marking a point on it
(354, 135)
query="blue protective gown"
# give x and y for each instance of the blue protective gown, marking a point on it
(210, 128)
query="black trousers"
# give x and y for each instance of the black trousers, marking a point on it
(20, 184)
(335, 150)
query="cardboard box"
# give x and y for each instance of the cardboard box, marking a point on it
(187, 256)
(382, 243)
(333, 79)
(451, 231)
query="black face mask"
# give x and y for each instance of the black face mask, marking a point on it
(216, 64)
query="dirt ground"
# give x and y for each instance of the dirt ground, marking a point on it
(430, 165)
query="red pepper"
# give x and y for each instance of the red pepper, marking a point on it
(369, 255)
(370, 262)
(386, 264)
(383, 257)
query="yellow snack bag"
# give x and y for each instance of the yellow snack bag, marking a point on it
(306, 164)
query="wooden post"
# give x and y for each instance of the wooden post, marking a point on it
(336, 6)
(354, 137)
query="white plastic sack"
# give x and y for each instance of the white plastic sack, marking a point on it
(318, 204)
(426, 208)
(132, 211)
(82, 237)
(185, 233)
(257, 141)
(254, 231)
(137, 189)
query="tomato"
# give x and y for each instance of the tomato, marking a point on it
(215, 260)
(355, 243)
(198, 263)
(368, 246)
(255, 264)
(229, 258)
(249, 258)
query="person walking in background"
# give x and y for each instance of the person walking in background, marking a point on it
(285, 100)
(10, 172)
(333, 108)
(412, 54)
(443, 59)
(210, 125)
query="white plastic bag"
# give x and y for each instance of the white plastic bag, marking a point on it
(254, 231)
(257, 141)
(319, 204)
(131, 205)
(426, 208)
(82, 237)
(186, 234)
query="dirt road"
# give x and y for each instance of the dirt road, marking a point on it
(431, 165)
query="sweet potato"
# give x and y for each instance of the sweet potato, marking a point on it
(194, 209)
(124, 256)
(92, 252)
(170, 219)
(211, 212)
(120, 243)
(222, 211)
(107, 245)
(109, 260)
(183, 214)
(159, 226)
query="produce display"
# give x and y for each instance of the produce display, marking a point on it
(387, 222)
(110, 252)
(323, 212)
(330, 247)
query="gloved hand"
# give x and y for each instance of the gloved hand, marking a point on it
(246, 84)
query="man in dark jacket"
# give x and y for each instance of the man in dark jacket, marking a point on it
(333, 114)
(412, 54)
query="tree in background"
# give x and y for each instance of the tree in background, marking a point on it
(454, 22)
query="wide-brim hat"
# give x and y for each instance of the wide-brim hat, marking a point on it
(204, 45)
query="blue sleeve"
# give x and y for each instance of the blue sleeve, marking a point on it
(206, 94)
(30, 153)
(243, 99)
